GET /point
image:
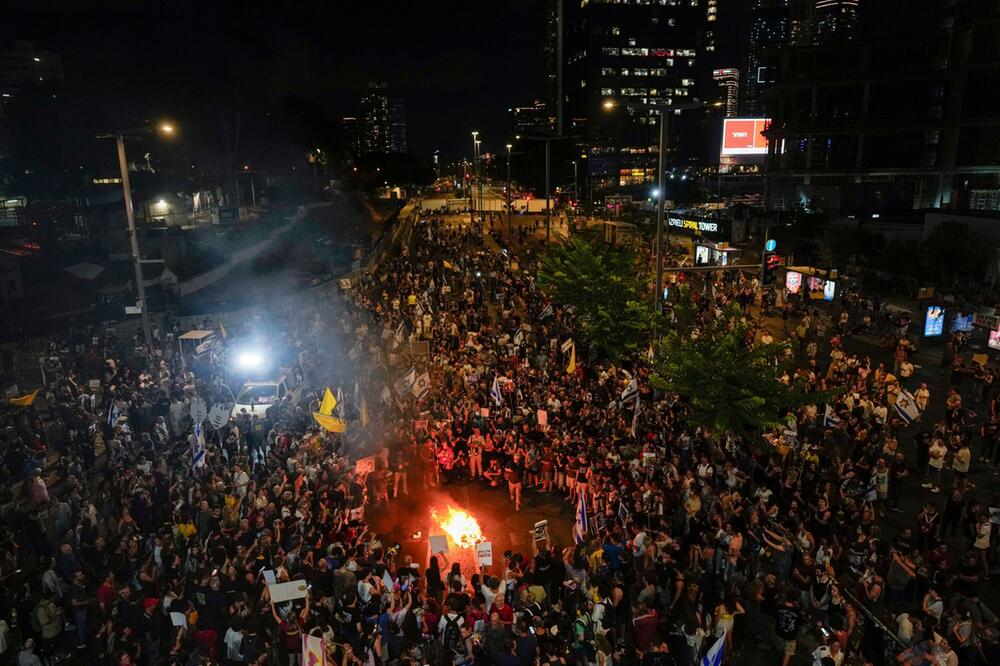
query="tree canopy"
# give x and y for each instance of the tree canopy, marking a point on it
(608, 288)
(732, 385)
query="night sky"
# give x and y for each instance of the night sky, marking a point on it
(458, 65)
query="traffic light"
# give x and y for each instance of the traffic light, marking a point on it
(771, 263)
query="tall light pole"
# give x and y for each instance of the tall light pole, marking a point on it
(472, 180)
(661, 238)
(510, 198)
(548, 168)
(479, 179)
(133, 235)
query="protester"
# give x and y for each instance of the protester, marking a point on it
(158, 539)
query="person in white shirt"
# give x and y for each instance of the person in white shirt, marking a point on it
(981, 546)
(831, 651)
(234, 640)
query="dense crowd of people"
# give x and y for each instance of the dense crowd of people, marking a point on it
(146, 552)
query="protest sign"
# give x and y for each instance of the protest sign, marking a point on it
(543, 417)
(484, 553)
(294, 589)
(365, 465)
(439, 543)
(178, 619)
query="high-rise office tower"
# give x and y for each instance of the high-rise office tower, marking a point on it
(770, 28)
(645, 53)
(727, 81)
(384, 128)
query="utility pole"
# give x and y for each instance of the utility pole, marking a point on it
(548, 189)
(472, 181)
(133, 238)
(661, 168)
(510, 199)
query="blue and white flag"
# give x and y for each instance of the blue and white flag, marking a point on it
(635, 417)
(495, 391)
(546, 312)
(870, 493)
(631, 392)
(830, 417)
(581, 526)
(198, 448)
(715, 653)
(906, 406)
(113, 413)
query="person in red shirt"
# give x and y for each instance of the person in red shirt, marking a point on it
(644, 628)
(504, 610)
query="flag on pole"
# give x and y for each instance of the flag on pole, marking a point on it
(495, 391)
(313, 653)
(113, 413)
(631, 392)
(580, 527)
(571, 366)
(830, 417)
(421, 386)
(715, 653)
(906, 406)
(364, 413)
(198, 447)
(329, 423)
(405, 383)
(329, 402)
(546, 312)
(870, 493)
(25, 400)
(340, 404)
(635, 417)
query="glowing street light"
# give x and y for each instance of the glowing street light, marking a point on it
(249, 359)
(119, 137)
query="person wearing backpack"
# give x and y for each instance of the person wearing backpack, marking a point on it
(450, 631)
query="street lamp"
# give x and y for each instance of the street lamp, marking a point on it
(472, 181)
(168, 130)
(548, 176)
(663, 110)
(510, 198)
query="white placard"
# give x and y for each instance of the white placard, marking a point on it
(178, 619)
(295, 589)
(484, 553)
(198, 410)
(269, 577)
(439, 544)
(543, 417)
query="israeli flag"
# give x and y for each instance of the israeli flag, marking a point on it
(631, 392)
(547, 312)
(198, 448)
(715, 653)
(580, 527)
(113, 413)
(830, 417)
(495, 391)
(906, 407)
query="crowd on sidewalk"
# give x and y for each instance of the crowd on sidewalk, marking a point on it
(686, 541)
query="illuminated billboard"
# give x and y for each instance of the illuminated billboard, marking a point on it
(742, 136)
(934, 322)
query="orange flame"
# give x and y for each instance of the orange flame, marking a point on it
(460, 526)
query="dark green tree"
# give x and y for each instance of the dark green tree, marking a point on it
(608, 287)
(732, 386)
